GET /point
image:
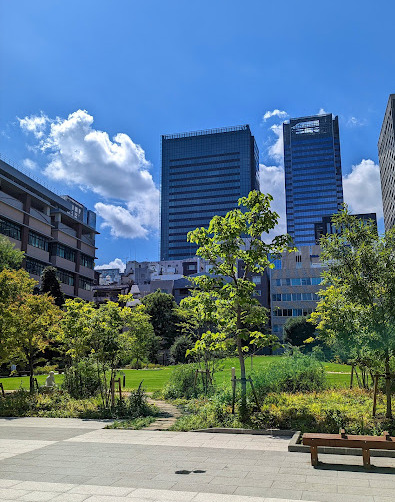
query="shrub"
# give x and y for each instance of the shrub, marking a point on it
(183, 383)
(178, 349)
(326, 411)
(291, 373)
(137, 404)
(44, 370)
(81, 380)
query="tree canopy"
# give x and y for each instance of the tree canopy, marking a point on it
(297, 330)
(10, 257)
(224, 296)
(50, 284)
(357, 309)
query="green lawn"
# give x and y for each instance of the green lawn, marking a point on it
(155, 379)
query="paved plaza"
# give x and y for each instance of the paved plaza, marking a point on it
(71, 460)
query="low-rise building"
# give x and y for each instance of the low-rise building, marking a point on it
(294, 283)
(50, 229)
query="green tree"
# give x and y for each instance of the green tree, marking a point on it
(225, 295)
(162, 309)
(50, 284)
(358, 308)
(14, 285)
(297, 330)
(33, 326)
(10, 257)
(107, 335)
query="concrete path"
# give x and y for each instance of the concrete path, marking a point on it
(168, 415)
(60, 461)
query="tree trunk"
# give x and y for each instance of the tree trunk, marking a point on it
(243, 405)
(388, 386)
(31, 369)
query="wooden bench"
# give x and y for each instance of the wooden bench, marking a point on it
(366, 443)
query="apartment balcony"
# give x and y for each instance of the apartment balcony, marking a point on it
(10, 212)
(67, 290)
(37, 253)
(87, 272)
(65, 237)
(59, 262)
(85, 294)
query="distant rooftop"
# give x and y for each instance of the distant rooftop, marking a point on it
(205, 132)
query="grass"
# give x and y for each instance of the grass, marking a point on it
(134, 423)
(155, 379)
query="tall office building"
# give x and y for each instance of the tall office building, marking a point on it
(386, 148)
(204, 173)
(313, 175)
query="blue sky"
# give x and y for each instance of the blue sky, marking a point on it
(76, 74)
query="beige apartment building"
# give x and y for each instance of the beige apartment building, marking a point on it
(50, 229)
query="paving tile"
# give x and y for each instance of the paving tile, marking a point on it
(165, 495)
(38, 496)
(102, 490)
(269, 493)
(70, 497)
(335, 497)
(208, 488)
(45, 487)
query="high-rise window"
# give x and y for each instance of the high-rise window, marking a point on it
(10, 229)
(313, 176)
(204, 173)
(386, 148)
(38, 241)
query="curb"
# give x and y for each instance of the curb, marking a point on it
(258, 432)
(294, 445)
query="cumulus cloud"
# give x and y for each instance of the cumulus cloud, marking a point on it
(362, 188)
(35, 124)
(355, 122)
(322, 112)
(271, 180)
(117, 263)
(276, 150)
(29, 164)
(115, 168)
(281, 114)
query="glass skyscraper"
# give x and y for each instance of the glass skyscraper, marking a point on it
(204, 173)
(313, 174)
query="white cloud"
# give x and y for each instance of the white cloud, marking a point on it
(281, 114)
(29, 164)
(113, 168)
(120, 221)
(362, 188)
(276, 150)
(354, 122)
(322, 112)
(117, 263)
(35, 124)
(271, 180)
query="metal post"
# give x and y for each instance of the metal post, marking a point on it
(2, 389)
(233, 389)
(112, 392)
(352, 376)
(376, 382)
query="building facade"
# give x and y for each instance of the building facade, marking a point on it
(313, 175)
(294, 283)
(386, 147)
(50, 229)
(204, 173)
(325, 226)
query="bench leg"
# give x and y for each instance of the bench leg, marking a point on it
(314, 455)
(366, 458)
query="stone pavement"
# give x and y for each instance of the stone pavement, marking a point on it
(74, 461)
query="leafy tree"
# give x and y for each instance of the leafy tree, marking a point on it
(33, 325)
(179, 349)
(14, 285)
(297, 330)
(162, 309)
(358, 308)
(50, 284)
(10, 257)
(225, 296)
(106, 334)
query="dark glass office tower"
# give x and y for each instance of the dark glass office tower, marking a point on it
(313, 175)
(204, 173)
